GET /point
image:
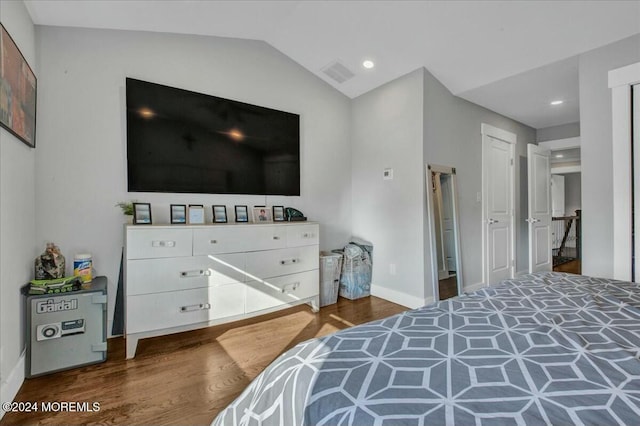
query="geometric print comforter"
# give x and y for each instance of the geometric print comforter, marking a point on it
(543, 349)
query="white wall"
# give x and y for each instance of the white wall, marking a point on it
(394, 126)
(596, 156)
(17, 217)
(81, 158)
(452, 138)
(387, 133)
(572, 193)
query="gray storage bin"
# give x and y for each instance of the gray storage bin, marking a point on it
(330, 267)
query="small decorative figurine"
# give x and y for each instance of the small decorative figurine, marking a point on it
(50, 265)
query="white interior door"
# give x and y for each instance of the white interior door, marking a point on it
(498, 205)
(539, 176)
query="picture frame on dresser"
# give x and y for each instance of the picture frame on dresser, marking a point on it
(242, 213)
(278, 214)
(142, 214)
(196, 214)
(219, 213)
(262, 214)
(178, 214)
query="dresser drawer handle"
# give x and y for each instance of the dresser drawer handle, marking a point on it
(198, 307)
(289, 261)
(168, 244)
(293, 286)
(213, 241)
(275, 237)
(196, 273)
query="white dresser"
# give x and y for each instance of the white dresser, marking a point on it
(183, 277)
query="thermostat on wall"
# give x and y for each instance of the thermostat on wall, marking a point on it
(387, 174)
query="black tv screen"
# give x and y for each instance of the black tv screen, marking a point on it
(183, 141)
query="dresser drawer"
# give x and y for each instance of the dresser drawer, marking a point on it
(273, 263)
(263, 237)
(302, 235)
(150, 243)
(223, 239)
(281, 290)
(165, 310)
(182, 273)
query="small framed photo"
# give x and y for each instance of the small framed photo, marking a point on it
(142, 213)
(219, 214)
(178, 213)
(278, 214)
(262, 214)
(196, 214)
(242, 214)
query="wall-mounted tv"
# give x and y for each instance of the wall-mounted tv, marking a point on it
(183, 141)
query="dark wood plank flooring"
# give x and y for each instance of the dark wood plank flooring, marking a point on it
(572, 267)
(187, 378)
(448, 288)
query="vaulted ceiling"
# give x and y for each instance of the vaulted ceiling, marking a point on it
(513, 57)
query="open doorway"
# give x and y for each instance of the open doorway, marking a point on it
(566, 188)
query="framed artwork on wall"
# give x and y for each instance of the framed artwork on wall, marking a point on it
(17, 91)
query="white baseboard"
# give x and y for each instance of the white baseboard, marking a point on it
(473, 287)
(10, 387)
(399, 297)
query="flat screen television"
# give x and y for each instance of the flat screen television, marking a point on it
(183, 141)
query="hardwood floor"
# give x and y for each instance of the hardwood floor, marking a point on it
(572, 267)
(448, 288)
(187, 378)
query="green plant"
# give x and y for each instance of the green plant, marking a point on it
(127, 207)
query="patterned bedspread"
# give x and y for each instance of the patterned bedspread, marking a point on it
(547, 348)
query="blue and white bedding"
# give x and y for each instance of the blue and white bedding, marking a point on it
(546, 348)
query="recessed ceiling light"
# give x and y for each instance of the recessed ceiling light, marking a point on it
(556, 102)
(559, 155)
(368, 64)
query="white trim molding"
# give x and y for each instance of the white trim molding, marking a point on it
(495, 132)
(9, 388)
(558, 170)
(474, 287)
(400, 298)
(557, 144)
(621, 81)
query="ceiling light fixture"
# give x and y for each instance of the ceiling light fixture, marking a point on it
(559, 155)
(368, 64)
(556, 102)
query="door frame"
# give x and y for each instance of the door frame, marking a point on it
(432, 228)
(489, 131)
(621, 81)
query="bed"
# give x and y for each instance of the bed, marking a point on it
(546, 348)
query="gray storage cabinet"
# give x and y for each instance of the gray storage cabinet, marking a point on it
(66, 330)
